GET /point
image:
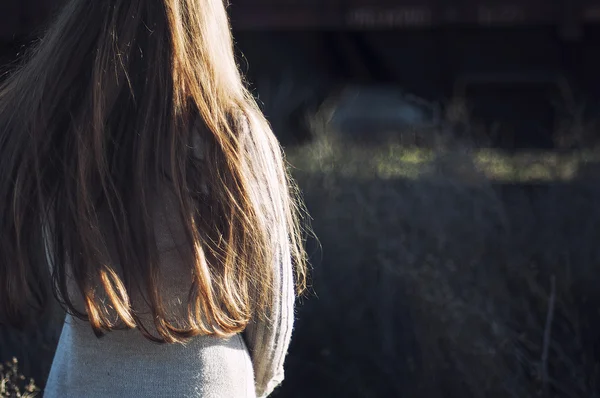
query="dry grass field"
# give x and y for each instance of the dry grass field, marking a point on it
(459, 272)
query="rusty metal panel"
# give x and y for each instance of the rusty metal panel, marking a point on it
(427, 13)
(286, 14)
(390, 13)
(18, 17)
(515, 12)
(400, 14)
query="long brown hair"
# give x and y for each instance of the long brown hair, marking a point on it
(100, 120)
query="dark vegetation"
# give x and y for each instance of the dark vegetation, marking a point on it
(13, 383)
(445, 286)
(449, 274)
(438, 273)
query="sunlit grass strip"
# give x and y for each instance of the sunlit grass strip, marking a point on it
(395, 161)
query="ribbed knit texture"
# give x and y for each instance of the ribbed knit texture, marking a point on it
(269, 341)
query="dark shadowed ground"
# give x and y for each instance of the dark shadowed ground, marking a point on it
(442, 291)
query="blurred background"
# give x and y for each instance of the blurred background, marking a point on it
(447, 151)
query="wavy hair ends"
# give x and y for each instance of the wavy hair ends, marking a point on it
(98, 141)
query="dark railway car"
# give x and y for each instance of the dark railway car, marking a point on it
(299, 51)
(506, 55)
(402, 14)
(21, 17)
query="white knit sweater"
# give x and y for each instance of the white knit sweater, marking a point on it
(124, 364)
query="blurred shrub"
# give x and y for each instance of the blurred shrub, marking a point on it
(13, 384)
(448, 283)
(35, 346)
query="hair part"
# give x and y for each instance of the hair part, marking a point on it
(98, 129)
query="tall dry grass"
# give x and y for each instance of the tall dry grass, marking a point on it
(457, 272)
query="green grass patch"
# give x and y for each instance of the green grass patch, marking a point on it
(396, 161)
